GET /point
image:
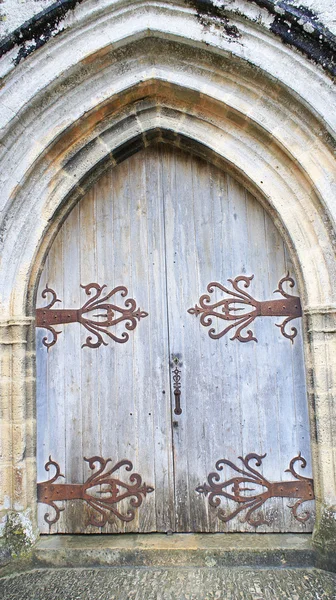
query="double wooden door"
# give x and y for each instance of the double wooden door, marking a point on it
(164, 383)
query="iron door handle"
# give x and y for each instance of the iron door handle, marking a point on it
(177, 386)
(177, 394)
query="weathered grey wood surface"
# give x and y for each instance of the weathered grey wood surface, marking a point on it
(165, 224)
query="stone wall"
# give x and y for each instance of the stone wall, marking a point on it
(15, 12)
(308, 27)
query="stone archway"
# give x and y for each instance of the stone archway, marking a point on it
(262, 132)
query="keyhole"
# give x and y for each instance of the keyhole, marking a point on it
(176, 360)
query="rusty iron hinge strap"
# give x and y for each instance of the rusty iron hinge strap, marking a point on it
(235, 308)
(107, 314)
(240, 489)
(110, 490)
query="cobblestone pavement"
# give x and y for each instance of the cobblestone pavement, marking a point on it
(173, 583)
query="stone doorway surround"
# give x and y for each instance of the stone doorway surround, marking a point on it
(156, 71)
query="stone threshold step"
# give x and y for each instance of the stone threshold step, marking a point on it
(182, 549)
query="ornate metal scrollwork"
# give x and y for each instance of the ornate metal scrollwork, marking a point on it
(235, 308)
(109, 492)
(235, 489)
(108, 315)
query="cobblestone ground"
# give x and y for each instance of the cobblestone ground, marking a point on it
(174, 584)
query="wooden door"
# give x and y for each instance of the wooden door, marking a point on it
(165, 224)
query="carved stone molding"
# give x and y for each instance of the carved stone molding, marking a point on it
(14, 331)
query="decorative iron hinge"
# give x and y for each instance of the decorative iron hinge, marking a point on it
(236, 308)
(108, 493)
(108, 315)
(236, 489)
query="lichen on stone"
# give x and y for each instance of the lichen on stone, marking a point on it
(18, 533)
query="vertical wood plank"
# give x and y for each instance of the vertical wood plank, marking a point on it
(176, 177)
(89, 361)
(106, 366)
(157, 363)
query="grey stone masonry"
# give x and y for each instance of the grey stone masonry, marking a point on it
(175, 583)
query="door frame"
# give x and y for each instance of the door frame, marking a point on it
(136, 143)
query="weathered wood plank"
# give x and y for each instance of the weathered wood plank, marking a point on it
(89, 361)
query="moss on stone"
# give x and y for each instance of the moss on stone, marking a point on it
(18, 536)
(324, 539)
